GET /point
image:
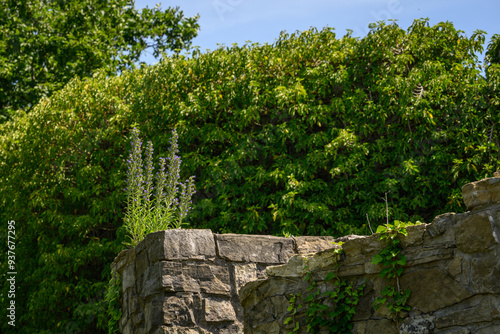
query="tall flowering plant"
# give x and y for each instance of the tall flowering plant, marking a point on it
(155, 202)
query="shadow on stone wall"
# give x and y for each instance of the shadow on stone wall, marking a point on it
(194, 281)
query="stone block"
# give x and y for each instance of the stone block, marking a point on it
(432, 289)
(475, 233)
(124, 321)
(134, 305)
(495, 303)
(178, 330)
(364, 309)
(359, 249)
(454, 267)
(153, 314)
(244, 273)
(137, 318)
(180, 244)
(178, 311)
(325, 260)
(485, 273)
(418, 256)
(296, 267)
(414, 237)
(128, 277)
(493, 328)
(248, 298)
(186, 277)
(441, 232)
(418, 324)
(378, 326)
(254, 248)
(474, 310)
(483, 192)
(168, 310)
(120, 260)
(267, 328)
(310, 244)
(358, 269)
(293, 269)
(141, 263)
(441, 224)
(210, 278)
(127, 329)
(218, 310)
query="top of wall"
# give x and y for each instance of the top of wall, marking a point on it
(203, 245)
(481, 193)
(189, 279)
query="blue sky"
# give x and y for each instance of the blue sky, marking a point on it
(237, 21)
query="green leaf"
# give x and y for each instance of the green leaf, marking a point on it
(377, 259)
(330, 276)
(402, 261)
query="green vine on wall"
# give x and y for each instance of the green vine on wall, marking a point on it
(393, 262)
(112, 305)
(333, 309)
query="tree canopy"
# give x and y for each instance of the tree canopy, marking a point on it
(45, 43)
(304, 136)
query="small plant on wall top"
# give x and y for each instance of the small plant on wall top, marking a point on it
(169, 205)
(393, 262)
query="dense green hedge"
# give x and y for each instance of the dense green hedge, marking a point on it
(304, 136)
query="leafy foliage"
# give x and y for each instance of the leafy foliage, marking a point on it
(113, 306)
(44, 44)
(393, 262)
(331, 310)
(302, 136)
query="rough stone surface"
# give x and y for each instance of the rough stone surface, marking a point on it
(309, 244)
(219, 310)
(187, 281)
(254, 248)
(475, 233)
(433, 289)
(181, 245)
(483, 192)
(197, 282)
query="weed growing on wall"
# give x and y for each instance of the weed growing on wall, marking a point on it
(155, 203)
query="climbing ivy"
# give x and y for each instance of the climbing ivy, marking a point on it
(333, 309)
(393, 262)
(112, 305)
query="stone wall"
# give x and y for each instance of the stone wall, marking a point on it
(453, 271)
(187, 281)
(194, 281)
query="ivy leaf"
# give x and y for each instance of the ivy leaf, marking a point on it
(330, 276)
(377, 259)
